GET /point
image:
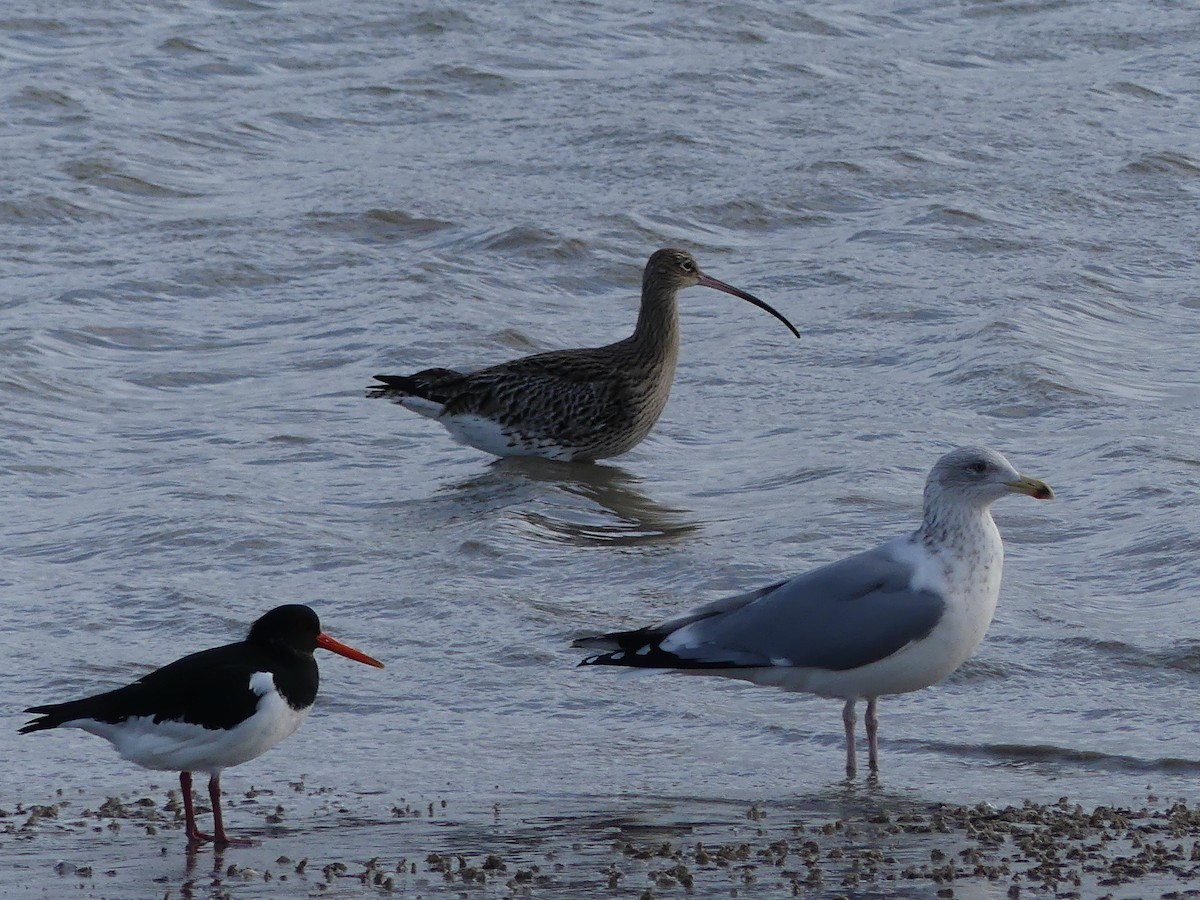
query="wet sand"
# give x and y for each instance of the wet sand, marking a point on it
(860, 843)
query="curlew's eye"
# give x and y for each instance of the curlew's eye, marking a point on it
(978, 467)
(687, 265)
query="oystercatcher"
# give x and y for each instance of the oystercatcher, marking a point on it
(585, 404)
(212, 709)
(888, 621)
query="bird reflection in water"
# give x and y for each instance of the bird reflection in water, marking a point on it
(614, 511)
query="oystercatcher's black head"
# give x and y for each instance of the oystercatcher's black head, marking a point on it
(294, 626)
(297, 628)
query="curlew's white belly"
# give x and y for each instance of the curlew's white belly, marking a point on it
(490, 436)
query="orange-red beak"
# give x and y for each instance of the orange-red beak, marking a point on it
(334, 646)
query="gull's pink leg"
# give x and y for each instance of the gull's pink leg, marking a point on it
(848, 721)
(872, 734)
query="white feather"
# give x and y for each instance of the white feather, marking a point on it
(429, 408)
(488, 435)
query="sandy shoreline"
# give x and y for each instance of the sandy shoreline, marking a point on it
(315, 843)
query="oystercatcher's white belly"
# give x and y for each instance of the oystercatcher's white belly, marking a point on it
(187, 747)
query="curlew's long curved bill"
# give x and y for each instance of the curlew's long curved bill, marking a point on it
(709, 281)
(336, 646)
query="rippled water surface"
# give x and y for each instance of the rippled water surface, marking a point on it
(220, 219)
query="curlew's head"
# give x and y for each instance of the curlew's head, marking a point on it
(670, 270)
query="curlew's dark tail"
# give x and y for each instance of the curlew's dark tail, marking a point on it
(429, 384)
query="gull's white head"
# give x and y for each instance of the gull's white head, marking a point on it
(978, 476)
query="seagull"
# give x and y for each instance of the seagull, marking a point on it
(894, 619)
(584, 404)
(212, 709)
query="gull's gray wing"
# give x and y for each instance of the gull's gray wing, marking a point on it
(841, 616)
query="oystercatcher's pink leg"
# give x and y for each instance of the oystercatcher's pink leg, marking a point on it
(214, 794)
(194, 834)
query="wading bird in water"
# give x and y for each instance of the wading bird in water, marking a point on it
(211, 710)
(584, 404)
(894, 619)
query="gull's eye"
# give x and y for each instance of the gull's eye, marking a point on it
(978, 467)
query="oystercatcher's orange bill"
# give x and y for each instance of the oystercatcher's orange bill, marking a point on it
(335, 646)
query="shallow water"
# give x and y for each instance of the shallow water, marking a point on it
(222, 218)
